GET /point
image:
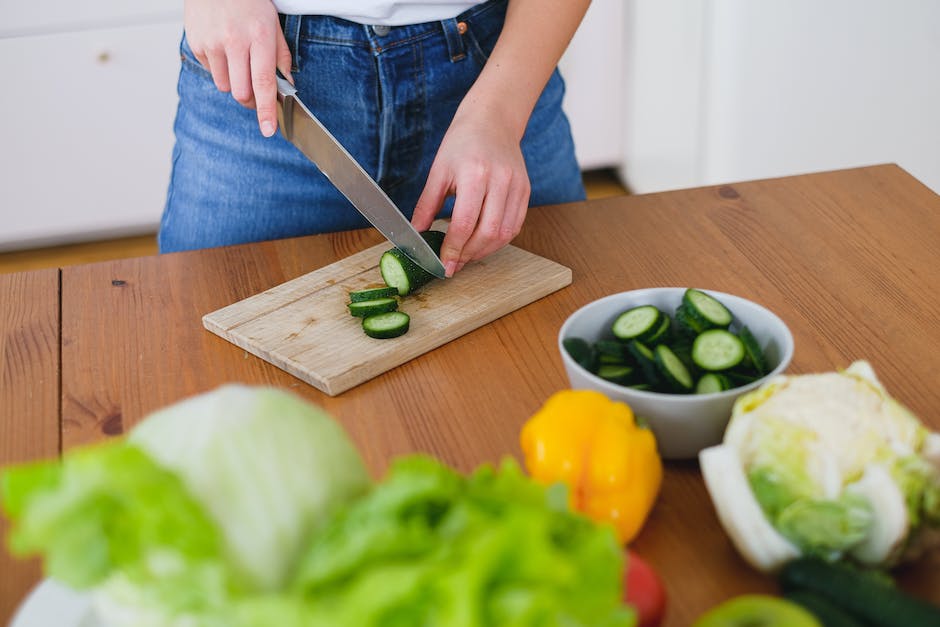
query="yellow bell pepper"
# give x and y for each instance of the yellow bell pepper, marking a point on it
(593, 445)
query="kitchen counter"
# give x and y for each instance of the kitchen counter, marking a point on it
(847, 258)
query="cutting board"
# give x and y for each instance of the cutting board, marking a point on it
(303, 326)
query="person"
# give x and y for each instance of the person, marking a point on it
(452, 106)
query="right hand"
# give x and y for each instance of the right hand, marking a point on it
(241, 43)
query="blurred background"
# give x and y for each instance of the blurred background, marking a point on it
(662, 94)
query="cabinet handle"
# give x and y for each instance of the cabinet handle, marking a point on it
(103, 57)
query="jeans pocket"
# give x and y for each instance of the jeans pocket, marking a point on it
(189, 60)
(483, 30)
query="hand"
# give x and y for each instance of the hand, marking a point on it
(480, 161)
(241, 43)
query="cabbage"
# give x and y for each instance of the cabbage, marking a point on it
(205, 502)
(838, 468)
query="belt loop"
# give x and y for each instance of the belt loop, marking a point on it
(292, 28)
(453, 31)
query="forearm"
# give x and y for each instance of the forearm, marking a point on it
(534, 37)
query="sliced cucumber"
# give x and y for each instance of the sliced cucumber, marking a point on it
(364, 308)
(706, 309)
(647, 361)
(372, 293)
(754, 353)
(711, 382)
(615, 373)
(386, 325)
(611, 351)
(660, 335)
(581, 351)
(638, 323)
(673, 370)
(400, 272)
(717, 349)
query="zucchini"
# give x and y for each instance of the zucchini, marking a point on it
(400, 272)
(717, 349)
(365, 308)
(859, 593)
(673, 370)
(638, 323)
(754, 353)
(706, 310)
(711, 382)
(372, 293)
(386, 325)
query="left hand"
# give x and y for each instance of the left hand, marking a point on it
(480, 162)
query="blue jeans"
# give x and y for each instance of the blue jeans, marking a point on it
(388, 97)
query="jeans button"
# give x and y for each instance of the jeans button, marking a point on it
(381, 30)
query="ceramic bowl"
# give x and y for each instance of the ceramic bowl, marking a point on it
(683, 424)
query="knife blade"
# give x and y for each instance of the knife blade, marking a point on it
(303, 129)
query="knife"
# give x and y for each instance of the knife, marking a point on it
(305, 131)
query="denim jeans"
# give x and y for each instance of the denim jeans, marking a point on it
(388, 95)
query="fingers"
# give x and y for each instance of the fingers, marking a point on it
(467, 208)
(263, 60)
(431, 199)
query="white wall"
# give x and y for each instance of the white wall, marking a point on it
(726, 90)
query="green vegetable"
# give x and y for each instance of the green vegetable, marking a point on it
(429, 546)
(400, 272)
(364, 308)
(204, 503)
(858, 593)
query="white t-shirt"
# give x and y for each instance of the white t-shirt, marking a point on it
(387, 12)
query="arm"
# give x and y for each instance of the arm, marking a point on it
(480, 159)
(241, 43)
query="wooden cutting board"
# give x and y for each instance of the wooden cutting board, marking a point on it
(303, 326)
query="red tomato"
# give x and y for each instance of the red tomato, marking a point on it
(644, 591)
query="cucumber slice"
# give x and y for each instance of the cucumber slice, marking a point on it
(581, 351)
(365, 308)
(400, 272)
(706, 309)
(647, 361)
(687, 323)
(615, 373)
(717, 349)
(372, 293)
(611, 351)
(672, 369)
(754, 353)
(637, 323)
(660, 335)
(711, 382)
(386, 325)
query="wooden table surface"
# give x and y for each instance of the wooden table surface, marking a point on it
(849, 259)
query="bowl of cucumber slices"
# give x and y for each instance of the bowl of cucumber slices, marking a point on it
(679, 357)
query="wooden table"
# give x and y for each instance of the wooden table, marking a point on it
(849, 259)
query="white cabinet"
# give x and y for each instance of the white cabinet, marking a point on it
(734, 89)
(87, 115)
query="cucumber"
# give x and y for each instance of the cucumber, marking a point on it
(610, 351)
(400, 272)
(711, 382)
(581, 351)
(638, 323)
(386, 325)
(829, 614)
(673, 370)
(615, 373)
(754, 353)
(364, 308)
(706, 309)
(859, 593)
(717, 349)
(646, 360)
(660, 335)
(372, 293)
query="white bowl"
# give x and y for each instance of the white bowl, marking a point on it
(683, 424)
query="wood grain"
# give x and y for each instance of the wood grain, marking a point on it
(848, 259)
(304, 327)
(29, 399)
